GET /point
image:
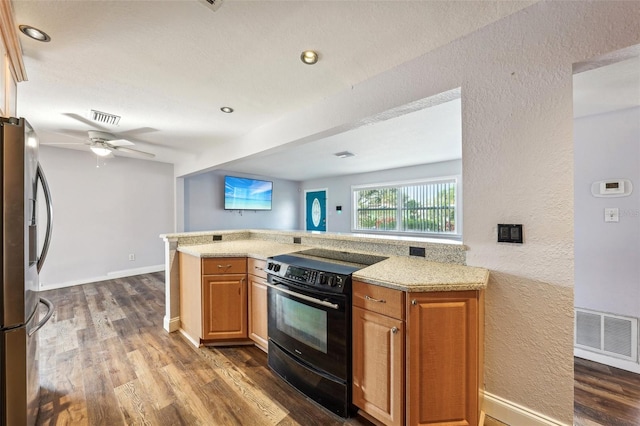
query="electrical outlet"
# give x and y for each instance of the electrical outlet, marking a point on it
(132, 256)
(417, 251)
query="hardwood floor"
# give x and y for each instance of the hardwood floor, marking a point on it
(605, 395)
(105, 360)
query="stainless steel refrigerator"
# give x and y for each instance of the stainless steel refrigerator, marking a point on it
(22, 259)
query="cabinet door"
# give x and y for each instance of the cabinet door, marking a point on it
(443, 358)
(224, 307)
(258, 311)
(378, 366)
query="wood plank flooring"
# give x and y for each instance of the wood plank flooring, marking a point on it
(105, 360)
(605, 395)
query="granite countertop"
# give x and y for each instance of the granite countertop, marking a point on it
(419, 275)
(402, 273)
(241, 248)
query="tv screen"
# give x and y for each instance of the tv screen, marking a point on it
(247, 194)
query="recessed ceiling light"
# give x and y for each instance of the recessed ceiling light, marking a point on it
(34, 33)
(344, 154)
(227, 110)
(309, 57)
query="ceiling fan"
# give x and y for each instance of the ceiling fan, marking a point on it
(104, 143)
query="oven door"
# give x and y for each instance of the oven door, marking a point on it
(313, 328)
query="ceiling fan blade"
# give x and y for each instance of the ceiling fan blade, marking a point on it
(138, 131)
(134, 151)
(63, 143)
(84, 120)
(76, 134)
(120, 142)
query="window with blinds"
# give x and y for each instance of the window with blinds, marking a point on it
(417, 207)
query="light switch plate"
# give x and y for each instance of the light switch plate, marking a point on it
(510, 233)
(612, 214)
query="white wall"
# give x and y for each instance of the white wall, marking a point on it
(339, 188)
(517, 151)
(607, 270)
(101, 215)
(204, 205)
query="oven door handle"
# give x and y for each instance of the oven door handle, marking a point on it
(305, 297)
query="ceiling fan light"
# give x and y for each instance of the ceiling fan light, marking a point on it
(100, 151)
(309, 57)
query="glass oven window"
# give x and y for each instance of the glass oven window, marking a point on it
(302, 322)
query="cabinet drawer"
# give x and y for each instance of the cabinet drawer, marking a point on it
(383, 300)
(224, 265)
(256, 267)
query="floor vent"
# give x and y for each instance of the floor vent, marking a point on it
(607, 334)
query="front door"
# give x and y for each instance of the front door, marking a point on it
(316, 207)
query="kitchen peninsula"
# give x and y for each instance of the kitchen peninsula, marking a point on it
(417, 321)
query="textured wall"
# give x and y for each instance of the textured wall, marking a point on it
(339, 189)
(516, 80)
(204, 205)
(101, 215)
(607, 146)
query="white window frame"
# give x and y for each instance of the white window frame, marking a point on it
(456, 235)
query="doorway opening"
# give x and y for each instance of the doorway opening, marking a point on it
(606, 97)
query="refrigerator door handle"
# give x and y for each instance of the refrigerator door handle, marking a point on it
(44, 320)
(47, 197)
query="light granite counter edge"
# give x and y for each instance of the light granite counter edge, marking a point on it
(410, 275)
(426, 287)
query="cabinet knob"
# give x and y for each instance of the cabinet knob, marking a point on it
(394, 330)
(414, 302)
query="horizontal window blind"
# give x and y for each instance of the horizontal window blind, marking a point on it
(428, 207)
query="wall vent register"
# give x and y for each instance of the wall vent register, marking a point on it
(607, 334)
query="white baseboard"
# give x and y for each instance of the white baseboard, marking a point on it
(195, 343)
(514, 414)
(172, 324)
(623, 364)
(108, 276)
(135, 271)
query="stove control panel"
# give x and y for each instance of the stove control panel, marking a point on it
(322, 280)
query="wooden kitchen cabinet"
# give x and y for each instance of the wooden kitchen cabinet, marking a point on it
(258, 316)
(444, 363)
(378, 352)
(438, 380)
(225, 307)
(12, 70)
(213, 298)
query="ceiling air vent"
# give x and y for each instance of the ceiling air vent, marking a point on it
(344, 154)
(103, 117)
(213, 4)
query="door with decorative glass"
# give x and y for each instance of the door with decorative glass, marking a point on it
(316, 210)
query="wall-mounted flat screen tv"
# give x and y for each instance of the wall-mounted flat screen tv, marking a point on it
(247, 194)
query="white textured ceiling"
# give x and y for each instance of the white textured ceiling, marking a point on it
(168, 66)
(607, 88)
